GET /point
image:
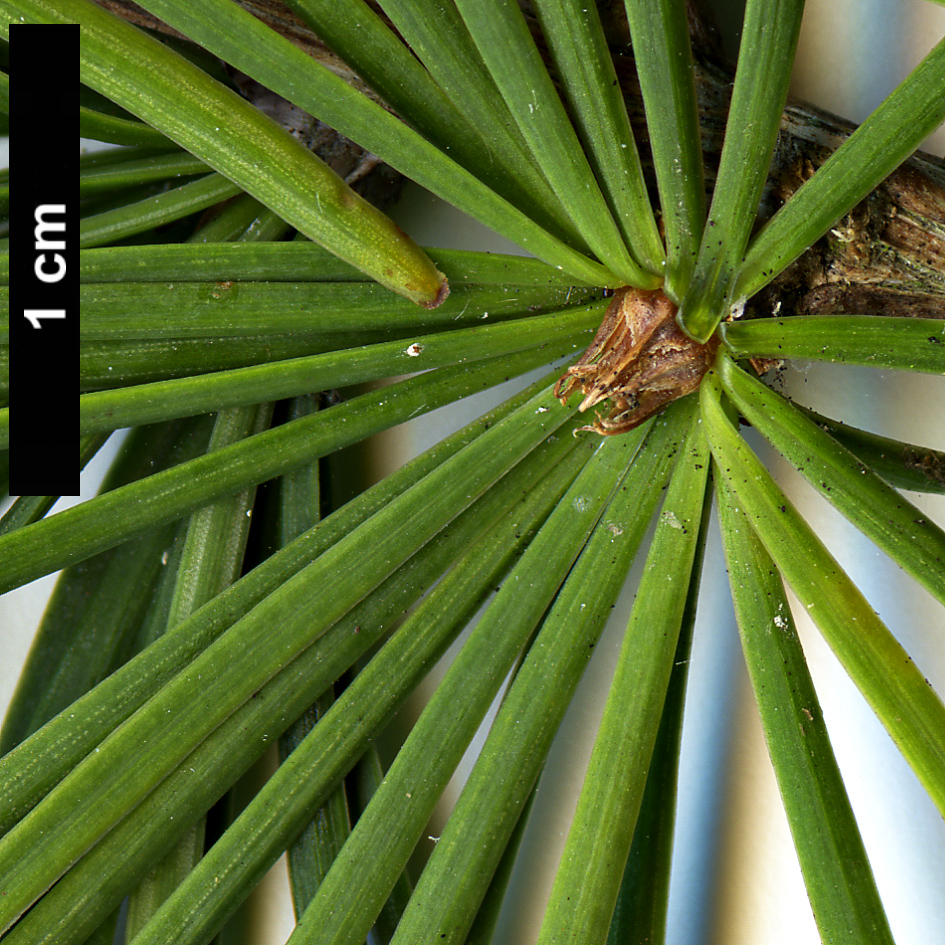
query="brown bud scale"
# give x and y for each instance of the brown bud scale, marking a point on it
(640, 360)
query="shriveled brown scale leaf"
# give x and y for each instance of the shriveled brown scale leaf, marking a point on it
(640, 359)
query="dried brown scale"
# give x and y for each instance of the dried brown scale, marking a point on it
(640, 360)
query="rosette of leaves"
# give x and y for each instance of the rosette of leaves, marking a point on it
(179, 643)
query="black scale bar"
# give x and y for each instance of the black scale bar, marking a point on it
(44, 259)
